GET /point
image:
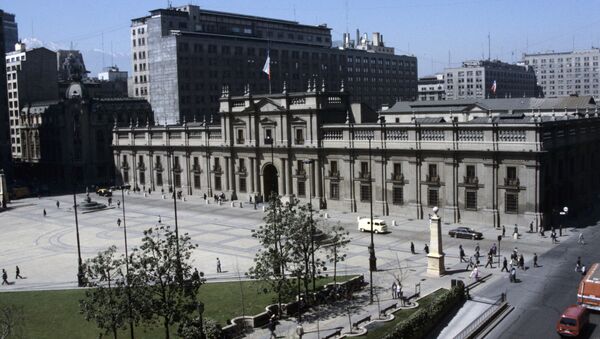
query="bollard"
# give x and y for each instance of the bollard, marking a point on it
(232, 204)
(264, 208)
(163, 196)
(220, 203)
(326, 216)
(394, 223)
(145, 194)
(207, 202)
(183, 198)
(241, 204)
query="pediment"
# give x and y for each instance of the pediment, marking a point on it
(298, 121)
(267, 121)
(268, 105)
(238, 121)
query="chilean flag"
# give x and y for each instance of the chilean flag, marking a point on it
(493, 88)
(267, 66)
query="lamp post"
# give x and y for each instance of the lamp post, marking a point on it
(269, 141)
(179, 271)
(372, 258)
(79, 262)
(563, 213)
(312, 228)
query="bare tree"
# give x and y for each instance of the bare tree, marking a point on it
(339, 239)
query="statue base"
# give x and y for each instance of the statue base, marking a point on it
(435, 265)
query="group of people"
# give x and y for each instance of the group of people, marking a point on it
(397, 291)
(5, 275)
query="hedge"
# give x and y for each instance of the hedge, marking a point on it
(420, 323)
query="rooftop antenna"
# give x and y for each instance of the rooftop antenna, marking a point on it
(169, 4)
(347, 16)
(102, 48)
(112, 56)
(489, 47)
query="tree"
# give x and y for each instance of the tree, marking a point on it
(271, 260)
(162, 297)
(11, 321)
(106, 301)
(338, 241)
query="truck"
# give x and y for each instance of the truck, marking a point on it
(364, 224)
(588, 293)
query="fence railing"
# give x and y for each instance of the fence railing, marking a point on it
(482, 319)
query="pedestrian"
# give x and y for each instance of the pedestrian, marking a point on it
(109, 201)
(504, 265)
(57, 204)
(477, 248)
(522, 262)
(470, 264)
(560, 230)
(581, 240)
(394, 290)
(490, 261)
(218, 265)
(494, 249)
(272, 326)
(503, 231)
(204, 196)
(119, 222)
(412, 247)
(535, 260)
(4, 277)
(159, 219)
(118, 203)
(542, 231)
(18, 273)
(44, 212)
(583, 269)
(475, 274)
(477, 254)
(516, 230)
(513, 275)
(578, 264)
(426, 249)
(531, 227)
(462, 254)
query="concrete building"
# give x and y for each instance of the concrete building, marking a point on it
(182, 56)
(10, 31)
(431, 88)
(112, 73)
(567, 73)
(5, 153)
(475, 79)
(500, 166)
(31, 77)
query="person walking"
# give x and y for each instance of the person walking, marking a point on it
(272, 326)
(581, 240)
(109, 201)
(516, 231)
(44, 212)
(119, 222)
(475, 274)
(503, 231)
(398, 291)
(513, 274)
(522, 262)
(4, 277)
(504, 265)
(57, 204)
(470, 264)
(412, 247)
(118, 203)
(490, 261)
(461, 254)
(535, 260)
(477, 248)
(18, 273)
(531, 227)
(218, 265)
(583, 270)
(578, 264)
(394, 290)
(426, 249)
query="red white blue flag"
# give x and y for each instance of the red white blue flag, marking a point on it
(267, 66)
(493, 88)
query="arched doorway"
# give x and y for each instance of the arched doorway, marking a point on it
(270, 181)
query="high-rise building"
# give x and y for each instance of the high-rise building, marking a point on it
(567, 73)
(10, 30)
(5, 155)
(489, 79)
(182, 56)
(431, 88)
(31, 76)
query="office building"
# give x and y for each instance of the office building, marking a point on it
(10, 31)
(431, 88)
(31, 76)
(182, 56)
(567, 73)
(489, 79)
(498, 167)
(5, 153)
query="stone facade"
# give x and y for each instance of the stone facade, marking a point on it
(495, 168)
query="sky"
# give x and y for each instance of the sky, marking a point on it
(439, 32)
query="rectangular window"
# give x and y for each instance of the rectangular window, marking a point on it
(397, 195)
(397, 168)
(177, 180)
(301, 188)
(218, 182)
(470, 171)
(511, 172)
(197, 181)
(471, 200)
(126, 177)
(432, 197)
(334, 190)
(243, 185)
(511, 203)
(159, 180)
(240, 136)
(299, 136)
(142, 177)
(432, 170)
(365, 192)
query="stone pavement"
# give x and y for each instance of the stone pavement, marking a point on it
(45, 247)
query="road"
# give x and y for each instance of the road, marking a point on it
(543, 293)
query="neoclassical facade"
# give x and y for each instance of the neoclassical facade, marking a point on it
(497, 168)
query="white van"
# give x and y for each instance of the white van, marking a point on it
(364, 224)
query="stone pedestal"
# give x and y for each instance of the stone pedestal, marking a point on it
(435, 258)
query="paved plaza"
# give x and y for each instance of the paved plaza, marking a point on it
(45, 247)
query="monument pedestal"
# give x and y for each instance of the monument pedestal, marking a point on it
(435, 258)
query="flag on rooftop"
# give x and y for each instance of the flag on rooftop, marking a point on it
(267, 67)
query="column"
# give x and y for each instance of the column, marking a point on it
(252, 188)
(227, 188)
(283, 176)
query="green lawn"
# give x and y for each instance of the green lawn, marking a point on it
(55, 314)
(380, 329)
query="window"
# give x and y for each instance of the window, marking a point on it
(142, 177)
(159, 180)
(365, 192)
(126, 176)
(470, 200)
(299, 136)
(177, 180)
(218, 182)
(470, 171)
(432, 170)
(432, 197)
(243, 184)
(301, 188)
(511, 172)
(511, 203)
(334, 190)
(240, 136)
(333, 166)
(397, 195)
(197, 181)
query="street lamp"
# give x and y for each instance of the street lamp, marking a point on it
(179, 270)
(563, 213)
(123, 188)
(312, 228)
(79, 261)
(372, 258)
(269, 141)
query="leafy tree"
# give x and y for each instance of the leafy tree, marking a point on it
(106, 301)
(162, 297)
(11, 322)
(338, 241)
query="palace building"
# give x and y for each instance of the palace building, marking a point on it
(512, 161)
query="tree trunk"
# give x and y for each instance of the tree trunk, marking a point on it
(167, 335)
(114, 328)
(335, 266)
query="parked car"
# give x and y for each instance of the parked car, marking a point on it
(572, 321)
(104, 192)
(379, 226)
(465, 232)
